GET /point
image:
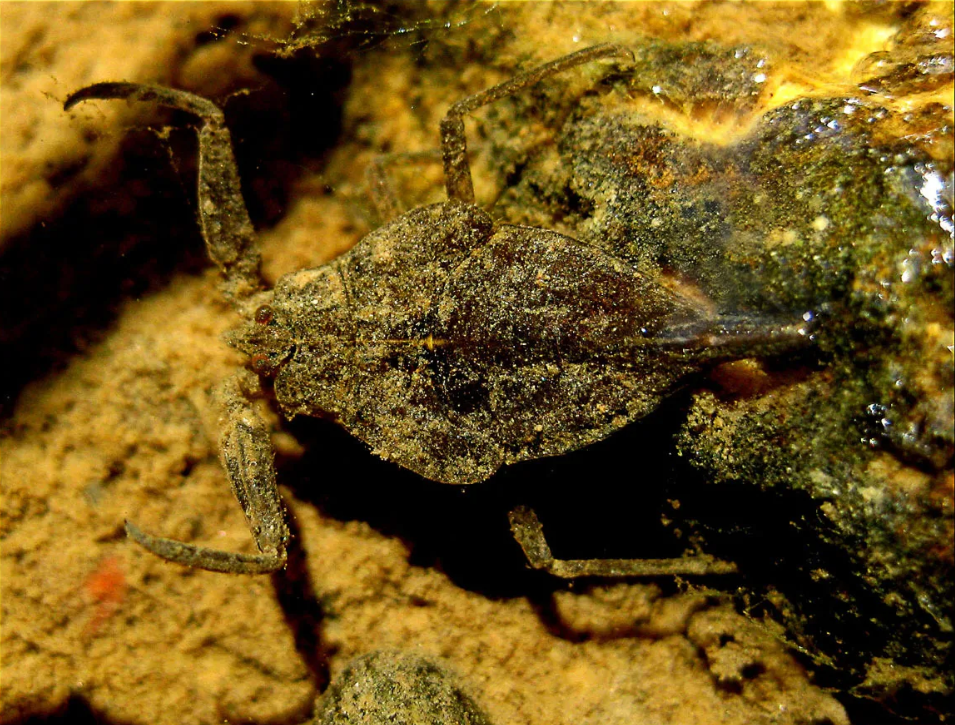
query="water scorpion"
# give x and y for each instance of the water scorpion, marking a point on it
(449, 343)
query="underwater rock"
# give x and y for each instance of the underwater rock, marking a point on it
(840, 460)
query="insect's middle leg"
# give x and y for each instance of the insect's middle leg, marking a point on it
(454, 148)
(247, 458)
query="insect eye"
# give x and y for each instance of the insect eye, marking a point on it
(263, 315)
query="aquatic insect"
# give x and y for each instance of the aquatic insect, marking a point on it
(449, 343)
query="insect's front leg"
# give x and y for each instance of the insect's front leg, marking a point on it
(247, 456)
(228, 233)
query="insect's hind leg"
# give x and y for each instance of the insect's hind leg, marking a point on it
(454, 149)
(226, 228)
(247, 458)
(529, 533)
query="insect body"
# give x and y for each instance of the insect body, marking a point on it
(450, 344)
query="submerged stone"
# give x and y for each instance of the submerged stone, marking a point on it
(839, 206)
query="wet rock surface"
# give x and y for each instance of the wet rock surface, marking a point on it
(840, 206)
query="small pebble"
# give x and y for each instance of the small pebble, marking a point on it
(397, 688)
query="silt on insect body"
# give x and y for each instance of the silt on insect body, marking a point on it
(449, 343)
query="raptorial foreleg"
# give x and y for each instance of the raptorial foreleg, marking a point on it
(247, 456)
(228, 233)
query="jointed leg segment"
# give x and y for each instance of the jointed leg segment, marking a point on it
(454, 147)
(226, 228)
(247, 458)
(529, 533)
